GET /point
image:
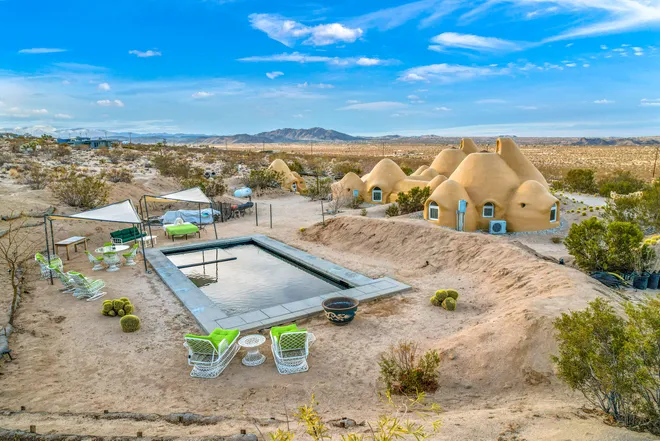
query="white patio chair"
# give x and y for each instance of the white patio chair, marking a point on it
(130, 256)
(291, 350)
(69, 286)
(207, 360)
(111, 258)
(86, 288)
(97, 261)
(43, 264)
(178, 221)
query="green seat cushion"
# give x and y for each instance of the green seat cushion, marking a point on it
(179, 230)
(217, 336)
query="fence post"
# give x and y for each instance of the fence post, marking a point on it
(271, 216)
(322, 213)
(256, 213)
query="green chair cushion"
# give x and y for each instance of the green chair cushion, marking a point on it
(276, 331)
(127, 234)
(217, 336)
(180, 230)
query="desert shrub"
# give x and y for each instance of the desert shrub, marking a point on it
(392, 211)
(356, 202)
(586, 242)
(407, 170)
(36, 176)
(171, 166)
(119, 175)
(613, 360)
(405, 372)
(622, 239)
(262, 179)
(363, 212)
(319, 189)
(295, 166)
(211, 187)
(61, 151)
(556, 239)
(78, 190)
(413, 200)
(345, 167)
(449, 304)
(582, 180)
(622, 182)
(131, 155)
(130, 323)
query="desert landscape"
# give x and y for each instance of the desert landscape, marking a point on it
(75, 372)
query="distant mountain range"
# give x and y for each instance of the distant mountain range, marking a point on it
(318, 134)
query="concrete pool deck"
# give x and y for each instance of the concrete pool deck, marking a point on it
(210, 315)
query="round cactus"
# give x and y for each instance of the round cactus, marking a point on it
(130, 323)
(129, 308)
(124, 299)
(449, 304)
(121, 313)
(118, 304)
(106, 308)
(441, 295)
(452, 293)
(112, 313)
(435, 301)
(104, 312)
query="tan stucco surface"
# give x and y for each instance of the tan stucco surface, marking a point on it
(288, 177)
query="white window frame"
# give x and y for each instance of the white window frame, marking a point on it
(294, 187)
(553, 213)
(373, 193)
(488, 205)
(437, 208)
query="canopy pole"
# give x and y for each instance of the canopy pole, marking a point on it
(215, 229)
(199, 207)
(47, 248)
(144, 257)
(148, 223)
(52, 235)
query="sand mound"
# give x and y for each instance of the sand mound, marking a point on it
(517, 293)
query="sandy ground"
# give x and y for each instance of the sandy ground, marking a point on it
(496, 372)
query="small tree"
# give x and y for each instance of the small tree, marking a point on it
(581, 179)
(319, 189)
(623, 241)
(262, 179)
(586, 242)
(343, 168)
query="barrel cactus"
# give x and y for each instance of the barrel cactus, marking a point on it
(434, 301)
(112, 313)
(441, 295)
(449, 304)
(129, 308)
(452, 293)
(124, 299)
(121, 313)
(117, 304)
(117, 307)
(130, 323)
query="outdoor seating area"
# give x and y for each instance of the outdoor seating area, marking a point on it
(78, 284)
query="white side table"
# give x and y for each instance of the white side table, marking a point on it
(252, 343)
(150, 240)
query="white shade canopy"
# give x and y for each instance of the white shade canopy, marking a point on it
(123, 212)
(190, 195)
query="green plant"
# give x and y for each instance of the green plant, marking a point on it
(622, 182)
(117, 307)
(404, 372)
(129, 308)
(556, 239)
(449, 304)
(342, 168)
(614, 360)
(356, 202)
(295, 166)
(435, 301)
(622, 239)
(392, 211)
(79, 190)
(452, 293)
(319, 188)
(586, 242)
(211, 187)
(37, 177)
(413, 200)
(582, 180)
(262, 179)
(441, 295)
(130, 323)
(407, 170)
(363, 212)
(119, 175)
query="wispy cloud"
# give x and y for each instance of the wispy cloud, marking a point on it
(104, 86)
(603, 101)
(62, 116)
(288, 32)
(375, 106)
(527, 107)
(389, 18)
(145, 54)
(472, 42)
(41, 50)
(297, 57)
(650, 102)
(202, 94)
(316, 86)
(442, 109)
(110, 103)
(446, 73)
(273, 75)
(491, 101)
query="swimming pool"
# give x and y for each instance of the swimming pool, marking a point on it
(246, 277)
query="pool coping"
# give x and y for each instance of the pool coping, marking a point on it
(211, 316)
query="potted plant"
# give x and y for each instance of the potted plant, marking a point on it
(644, 259)
(340, 311)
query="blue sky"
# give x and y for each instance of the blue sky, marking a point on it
(452, 67)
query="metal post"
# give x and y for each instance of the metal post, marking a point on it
(222, 212)
(146, 207)
(47, 248)
(199, 208)
(144, 257)
(656, 161)
(322, 213)
(215, 229)
(256, 213)
(271, 216)
(52, 236)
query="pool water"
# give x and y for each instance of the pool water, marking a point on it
(256, 279)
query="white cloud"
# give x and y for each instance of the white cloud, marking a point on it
(375, 106)
(145, 54)
(288, 32)
(297, 57)
(603, 47)
(39, 111)
(491, 101)
(412, 97)
(540, 12)
(569, 44)
(650, 102)
(586, 65)
(352, 101)
(104, 87)
(62, 116)
(41, 50)
(527, 107)
(202, 94)
(298, 115)
(442, 109)
(571, 64)
(638, 51)
(603, 101)
(365, 61)
(472, 42)
(110, 103)
(316, 86)
(273, 75)
(448, 73)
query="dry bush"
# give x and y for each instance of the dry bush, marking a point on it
(210, 187)
(119, 175)
(131, 155)
(36, 176)
(78, 190)
(404, 371)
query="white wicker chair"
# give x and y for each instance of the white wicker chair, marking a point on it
(67, 281)
(206, 360)
(86, 288)
(44, 265)
(97, 261)
(291, 351)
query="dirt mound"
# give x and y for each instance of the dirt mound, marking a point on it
(512, 293)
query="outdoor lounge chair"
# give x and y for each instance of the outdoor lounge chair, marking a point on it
(86, 288)
(130, 256)
(43, 264)
(69, 286)
(210, 355)
(290, 347)
(97, 261)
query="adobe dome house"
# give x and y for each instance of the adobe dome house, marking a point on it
(503, 185)
(290, 180)
(384, 183)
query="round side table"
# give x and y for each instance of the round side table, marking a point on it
(252, 343)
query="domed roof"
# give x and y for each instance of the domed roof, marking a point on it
(429, 173)
(280, 166)
(511, 154)
(447, 161)
(486, 177)
(349, 182)
(384, 175)
(419, 170)
(433, 184)
(468, 146)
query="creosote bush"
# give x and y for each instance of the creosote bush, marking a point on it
(614, 360)
(404, 371)
(392, 211)
(621, 182)
(318, 189)
(119, 175)
(78, 190)
(262, 179)
(413, 200)
(345, 167)
(37, 177)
